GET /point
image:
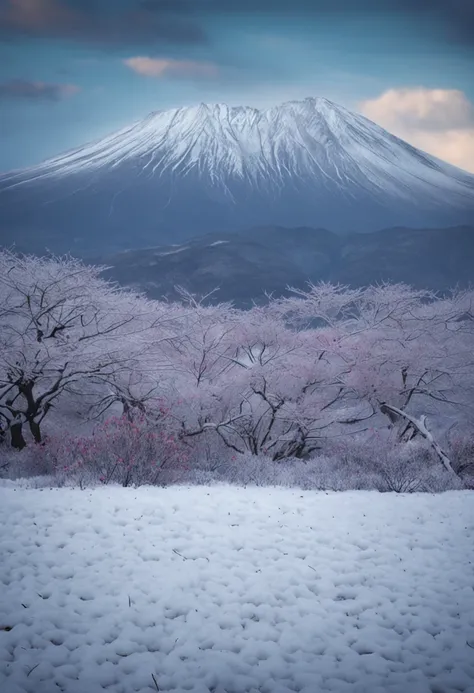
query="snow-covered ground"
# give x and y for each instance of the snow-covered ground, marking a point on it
(237, 590)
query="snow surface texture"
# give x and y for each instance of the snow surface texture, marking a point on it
(235, 590)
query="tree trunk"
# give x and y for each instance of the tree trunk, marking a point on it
(421, 426)
(16, 436)
(35, 431)
(32, 410)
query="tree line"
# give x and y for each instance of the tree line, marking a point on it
(277, 380)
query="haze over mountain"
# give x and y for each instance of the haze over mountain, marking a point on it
(212, 168)
(244, 266)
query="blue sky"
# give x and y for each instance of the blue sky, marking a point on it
(74, 70)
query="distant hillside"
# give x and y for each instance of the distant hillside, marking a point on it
(246, 265)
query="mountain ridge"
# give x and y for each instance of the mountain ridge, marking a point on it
(184, 172)
(245, 266)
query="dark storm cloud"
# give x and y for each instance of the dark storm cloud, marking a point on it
(165, 5)
(35, 91)
(106, 22)
(455, 18)
(184, 21)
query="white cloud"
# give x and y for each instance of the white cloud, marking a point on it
(165, 67)
(439, 121)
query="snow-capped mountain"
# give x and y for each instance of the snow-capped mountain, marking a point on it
(210, 168)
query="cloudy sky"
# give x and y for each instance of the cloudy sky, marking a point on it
(74, 70)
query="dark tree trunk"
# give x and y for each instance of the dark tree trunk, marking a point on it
(26, 390)
(16, 435)
(35, 431)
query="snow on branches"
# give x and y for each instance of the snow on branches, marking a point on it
(61, 326)
(277, 380)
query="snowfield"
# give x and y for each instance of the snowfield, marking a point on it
(235, 590)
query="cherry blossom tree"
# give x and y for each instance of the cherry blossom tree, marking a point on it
(401, 350)
(61, 325)
(277, 380)
(278, 394)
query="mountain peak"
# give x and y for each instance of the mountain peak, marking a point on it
(219, 167)
(215, 136)
(221, 110)
(313, 137)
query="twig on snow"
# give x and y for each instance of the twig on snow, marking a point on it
(31, 670)
(189, 559)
